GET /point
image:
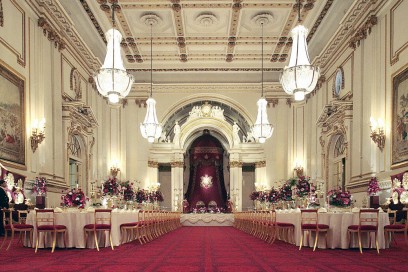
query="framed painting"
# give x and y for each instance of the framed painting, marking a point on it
(12, 118)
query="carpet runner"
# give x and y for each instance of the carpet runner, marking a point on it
(205, 249)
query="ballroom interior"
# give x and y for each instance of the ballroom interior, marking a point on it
(214, 76)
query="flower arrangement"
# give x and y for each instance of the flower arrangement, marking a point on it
(141, 195)
(337, 197)
(286, 192)
(254, 195)
(273, 195)
(156, 196)
(127, 190)
(74, 198)
(111, 187)
(40, 186)
(373, 187)
(303, 186)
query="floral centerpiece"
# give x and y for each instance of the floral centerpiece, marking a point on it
(373, 187)
(40, 186)
(339, 198)
(303, 186)
(156, 196)
(273, 196)
(286, 192)
(74, 198)
(127, 190)
(111, 187)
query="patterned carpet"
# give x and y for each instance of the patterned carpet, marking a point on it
(205, 249)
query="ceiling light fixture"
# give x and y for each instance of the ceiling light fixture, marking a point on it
(299, 77)
(111, 79)
(262, 130)
(151, 128)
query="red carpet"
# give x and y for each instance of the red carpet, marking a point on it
(204, 249)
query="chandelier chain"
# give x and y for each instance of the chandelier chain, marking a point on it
(299, 19)
(262, 61)
(151, 59)
(113, 55)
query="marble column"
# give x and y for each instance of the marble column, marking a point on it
(177, 185)
(236, 184)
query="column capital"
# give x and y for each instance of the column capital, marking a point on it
(235, 164)
(177, 164)
(153, 164)
(260, 164)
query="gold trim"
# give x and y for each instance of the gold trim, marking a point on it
(51, 34)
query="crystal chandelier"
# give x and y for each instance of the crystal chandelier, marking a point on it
(111, 79)
(262, 130)
(151, 128)
(299, 77)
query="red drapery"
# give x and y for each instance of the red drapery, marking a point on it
(206, 158)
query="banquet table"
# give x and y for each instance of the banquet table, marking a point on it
(207, 219)
(337, 235)
(75, 220)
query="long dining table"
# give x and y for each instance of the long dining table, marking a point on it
(75, 220)
(338, 222)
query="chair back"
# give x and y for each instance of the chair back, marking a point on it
(7, 217)
(103, 217)
(212, 204)
(44, 217)
(200, 204)
(309, 217)
(368, 217)
(22, 216)
(271, 217)
(392, 215)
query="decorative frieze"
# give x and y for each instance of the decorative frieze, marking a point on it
(51, 34)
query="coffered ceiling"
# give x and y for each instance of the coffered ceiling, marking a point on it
(200, 41)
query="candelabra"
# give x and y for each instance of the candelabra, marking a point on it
(114, 170)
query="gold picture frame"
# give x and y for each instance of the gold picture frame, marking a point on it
(12, 118)
(399, 130)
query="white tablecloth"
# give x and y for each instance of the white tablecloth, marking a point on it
(337, 234)
(75, 221)
(207, 219)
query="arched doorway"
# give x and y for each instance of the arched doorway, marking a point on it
(206, 178)
(337, 160)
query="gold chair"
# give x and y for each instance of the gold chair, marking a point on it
(9, 226)
(45, 222)
(389, 230)
(103, 222)
(310, 223)
(368, 223)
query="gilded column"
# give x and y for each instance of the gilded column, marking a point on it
(236, 184)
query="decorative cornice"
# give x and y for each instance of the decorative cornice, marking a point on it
(179, 164)
(363, 31)
(141, 102)
(153, 164)
(260, 164)
(238, 164)
(54, 9)
(273, 101)
(319, 19)
(1, 14)
(51, 34)
(93, 20)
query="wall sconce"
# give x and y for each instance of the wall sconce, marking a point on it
(377, 132)
(37, 134)
(114, 171)
(299, 171)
